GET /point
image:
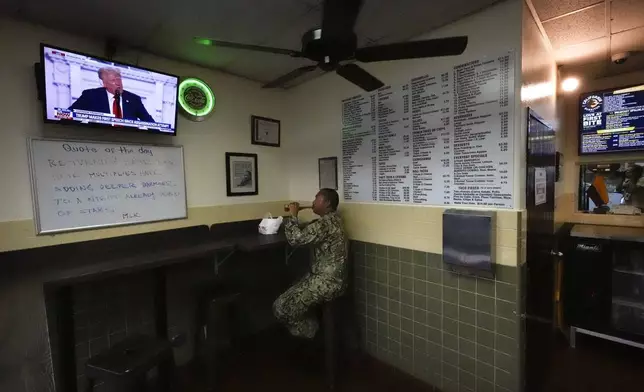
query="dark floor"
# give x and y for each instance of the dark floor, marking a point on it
(293, 367)
(286, 375)
(596, 365)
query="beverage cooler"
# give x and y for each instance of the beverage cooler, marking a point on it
(627, 305)
(603, 283)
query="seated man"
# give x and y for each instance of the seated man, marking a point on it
(328, 277)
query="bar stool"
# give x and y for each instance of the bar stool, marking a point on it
(330, 311)
(124, 367)
(329, 326)
(215, 337)
(334, 324)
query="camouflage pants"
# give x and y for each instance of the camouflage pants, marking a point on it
(295, 306)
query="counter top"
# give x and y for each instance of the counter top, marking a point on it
(165, 257)
(259, 242)
(143, 261)
(633, 234)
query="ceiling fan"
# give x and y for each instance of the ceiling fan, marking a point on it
(335, 44)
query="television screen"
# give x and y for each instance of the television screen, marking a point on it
(82, 89)
(612, 121)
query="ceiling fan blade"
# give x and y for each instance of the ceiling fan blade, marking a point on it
(413, 49)
(296, 73)
(359, 77)
(256, 48)
(339, 17)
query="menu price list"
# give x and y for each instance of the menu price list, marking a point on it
(432, 129)
(359, 160)
(440, 139)
(592, 142)
(482, 152)
(394, 144)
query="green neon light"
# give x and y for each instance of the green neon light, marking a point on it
(205, 89)
(203, 41)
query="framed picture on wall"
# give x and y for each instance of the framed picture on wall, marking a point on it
(328, 172)
(241, 174)
(265, 131)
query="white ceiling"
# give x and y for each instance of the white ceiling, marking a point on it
(585, 33)
(166, 27)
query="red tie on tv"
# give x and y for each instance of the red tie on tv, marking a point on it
(116, 108)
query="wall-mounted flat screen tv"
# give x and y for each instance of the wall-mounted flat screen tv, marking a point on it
(83, 89)
(612, 121)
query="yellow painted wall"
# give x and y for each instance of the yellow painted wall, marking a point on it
(421, 228)
(21, 234)
(318, 134)
(205, 143)
(295, 173)
(566, 210)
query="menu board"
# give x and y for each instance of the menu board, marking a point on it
(443, 138)
(612, 121)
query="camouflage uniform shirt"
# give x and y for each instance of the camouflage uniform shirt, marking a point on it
(327, 279)
(329, 242)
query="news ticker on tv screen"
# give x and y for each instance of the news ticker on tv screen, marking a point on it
(100, 118)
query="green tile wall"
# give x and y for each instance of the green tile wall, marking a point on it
(457, 333)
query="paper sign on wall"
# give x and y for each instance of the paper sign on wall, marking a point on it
(540, 186)
(443, 138)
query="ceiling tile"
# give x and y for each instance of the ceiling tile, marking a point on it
(628, 41)
(635, 63)
(410, 19)
(276, 24)
(181, 46)
(576, 28)
(99, 18)
(626, 15)
(8, 7)
(547, 9)
(310, 3)
(290, 36)
(243, 21)
(604, 69)
(584, 52)
(264, 67)
(379, 19)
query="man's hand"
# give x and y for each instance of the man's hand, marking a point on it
(294, 209)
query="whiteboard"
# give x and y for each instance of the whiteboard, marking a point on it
(78, 185)
(443, 138)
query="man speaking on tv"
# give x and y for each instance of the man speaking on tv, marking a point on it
(111, 98)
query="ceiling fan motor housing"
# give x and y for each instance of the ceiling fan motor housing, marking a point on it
(328, 51)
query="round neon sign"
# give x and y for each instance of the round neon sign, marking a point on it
(196, 99)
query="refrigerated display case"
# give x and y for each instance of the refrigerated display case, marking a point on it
(603, 291)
